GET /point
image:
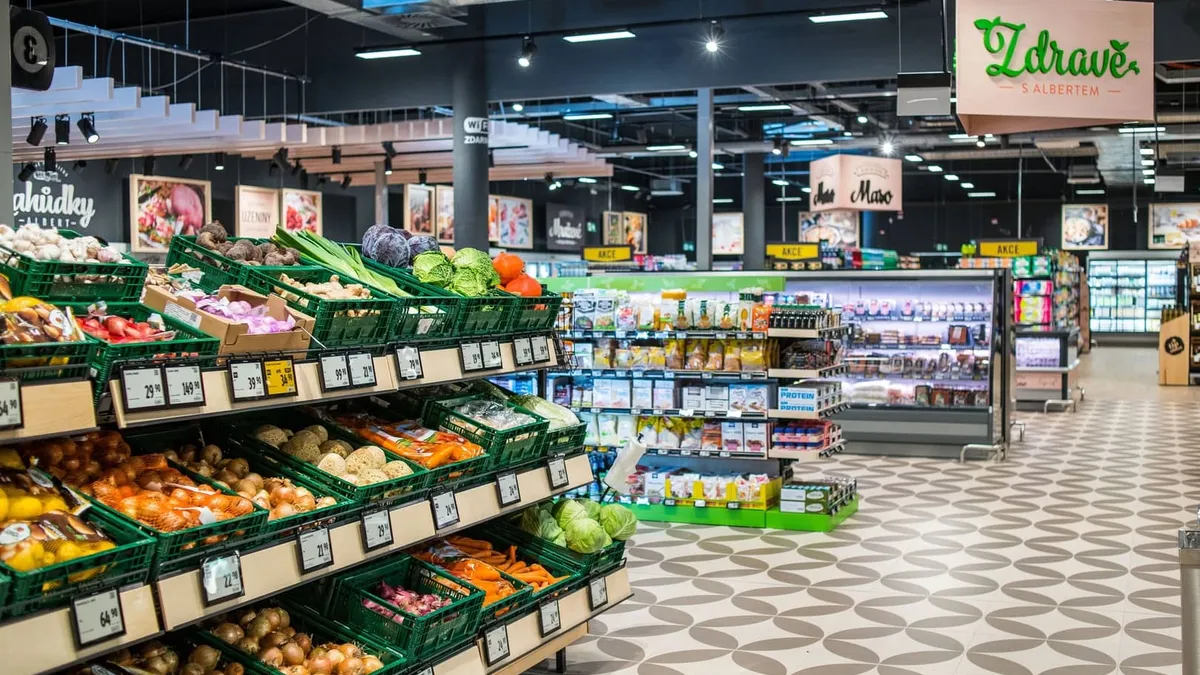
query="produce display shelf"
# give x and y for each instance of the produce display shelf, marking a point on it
(445, 365)
(698, 515)
(274, 569)
(679, 412)
(808, 333)
(710, 454)
(809, 522)
(45, 642)
(807, 373)
(798, 415)
(657, 374)
(54, 408)
(915, 347)
(810, 455)
(664, 334)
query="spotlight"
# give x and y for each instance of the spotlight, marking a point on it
(693, 154)
(716, 33)
(887, 148)
(862, 119)
(110, 165)
(322, 179)
(979, 143)
(273, 169)
(219, 161)
(87, 127)
(491, 159)
(37, 130)
(549, 178)
(26, 172)
(297, 167)
(337, 154)
(281, 157)
(62, 129)
(387, 166)
(518, 107)
(777, 146)
(50, 160)
(346, 182)
(528, 49)
(80, 165)
(422, 176)
(390, 149)
(148, 165)
(185, 162)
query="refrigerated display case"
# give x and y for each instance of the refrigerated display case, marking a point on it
(1046, 363)
(1127, 292)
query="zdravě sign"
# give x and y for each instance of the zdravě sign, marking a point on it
(857, 182)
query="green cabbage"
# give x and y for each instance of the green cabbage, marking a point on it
(469, 282)
(478, 261)
(560, 540)
(567, 511)
(592, 508)
(585, 535)
(618, 521)
(433, 267)
(540, 524)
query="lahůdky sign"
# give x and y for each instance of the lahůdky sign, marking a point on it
(857, 182)
(49, 199)
(1034, 65)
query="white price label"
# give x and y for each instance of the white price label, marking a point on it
(247, 382)
(642, 501)
(495, 643)
(541, 348)
(428, 671)
(97, 617)
(185, 385)
(221, 578)
(11, 413)
(316, 552)
(335, 374)
(700, 503)
(733, 413)
(549, 618)
(493, 358)
(523, 351)
(686, 412)
(362, 369)
(376, 529)
(472, 356)
(598, 593)
(143, 388)
(557, 470)
(508, 490)
(408, 360)
(445, 509)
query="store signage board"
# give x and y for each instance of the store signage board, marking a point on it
(1030, 65)
(608, 254)
(794, 251)
(1009, 248)
(858, 182)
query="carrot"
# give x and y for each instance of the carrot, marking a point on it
(516, 568)
(459, 540)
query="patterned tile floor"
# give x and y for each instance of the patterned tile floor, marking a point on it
(1060, 561)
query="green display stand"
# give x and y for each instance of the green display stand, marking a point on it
(659, 513)
(809, 522)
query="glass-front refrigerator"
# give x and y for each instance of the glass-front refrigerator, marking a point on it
(1127, 292)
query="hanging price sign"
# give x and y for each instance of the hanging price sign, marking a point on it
(549, 618)
(495, 645)
(445, 509)
(185, 386)
(335, 372)
(12, 412)
(221, 578)
(144, 388)
(556, 469)
(408, 363)
(280, 375)
(376, 529)
(493, 358)
(316, 552)
(598, 593)
(522, 351)
(472, 356)
(362, 369)
(246, 381)
(508, 490)
(541, 348)
(97, 617)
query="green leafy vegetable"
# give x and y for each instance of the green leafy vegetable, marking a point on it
(618, 521)
(346, 262)
(567, 511)
(559, 416)
(433, 267)
(585, 535)
(592, 508)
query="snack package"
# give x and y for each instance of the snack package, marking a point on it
(726, 313)
(647, 315)
(674, 354)
(733, 356)
(656, 357)
(710, 437)
(626, 426)
(669, 432)
(623, 357)
(702, 315)
(647, 430)
(753, 357)
(637, 356)
(761, 318)
(666, 314)
(716, 356)
(606, 311)
(602, 353)
(592, 436)
(627, 318)
(607, 424)
(697, 354)
(583, 316)
(693, 433)
(583, 352)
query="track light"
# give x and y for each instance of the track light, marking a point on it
(421, 176)
(322, 179)
(979, 143)
(518, 107)
(87, 127)
(185, 162)
(346, 182)
(281, 157)
(273, 169)
(62, 129)
(110, 165)
(389, 148)
(528, 49)
(80, 165)
(297, 167)
(777, 146)
(387, 166)
(26, 172)
(716, 33)
(862, 119)
(148, 165)
(549, 178)
(491, 159)
(337, 154)
(37, 130)
(50, 160)
(219, 161)
(887, 148)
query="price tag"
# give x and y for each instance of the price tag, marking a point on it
(706, 376)
(685, 453)
(246, 381)
(445, 509)
(472, 356)
(362, 369)
(522, 351)
(549, 618)
(408, 362)
(556, 468)
(541, 348)
(733, 506)
(12, 413)
(376, 529)
(97, 617)
(700, 503)
(221, 578)
(733, 413)
(598, 593)
(428, 671)
(508, 491)
(280, 376)
(686, 412)
(144, 388)
(493, 358)
(335, 372)
(495, 645)
(185, 385)
(668, 502)
(642, 501)
(315, 550)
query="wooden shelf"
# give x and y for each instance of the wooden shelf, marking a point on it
(54, 409)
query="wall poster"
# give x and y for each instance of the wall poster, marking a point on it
(837, 228)
(257, 210)
(418, 209)
(516, 223)
(728, 231)
(59, 200)
(444, 205)
(635, 231)
(1174, 225)
(302, 211)
(564, 227)
(1084, 227)
(494, 219)
(614, 229)
(162, 207)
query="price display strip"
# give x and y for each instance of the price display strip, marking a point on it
(541, 348)
(495, 645)
(144, 388)
(247, 382)
(362, 369)
(598, 593)
(376, 529)
(470, 355)
(408, 363)
(12, 407)
(556, 469)
(493, 358)
(314, 549)
(97, 617)
(445, 509)
(185, 386)
(523, 352)
(549, 618)
(508, 490)
(335, 372)
(221, 578)
(280, 376)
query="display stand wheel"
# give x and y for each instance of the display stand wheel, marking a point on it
(1063, 405)
(1020, 427)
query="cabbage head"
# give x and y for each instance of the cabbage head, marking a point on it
(433, 267)
(540, 524)
(585, 535)
(618, 521)
(592, 508)
(567, 511)
(560, 540)
(478, 261)
(469, 282)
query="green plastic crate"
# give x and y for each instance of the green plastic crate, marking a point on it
(339, 323)
(575, 575)
(564, 440)
(590, 564)
(416, 636)
(509, 448)
(47, 361)
(218, 270)
(430, 312)
(55, 585)
(485, 317)
(535, 314)
(106, 356)
(51, 280)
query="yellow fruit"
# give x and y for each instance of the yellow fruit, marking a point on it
(53, 502)
(68, 550)
(48, 559)
(3, 507)
(9, 459)
(28, 559)
(24, 508)
(19, 303)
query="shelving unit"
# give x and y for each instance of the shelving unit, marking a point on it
(1127, 291)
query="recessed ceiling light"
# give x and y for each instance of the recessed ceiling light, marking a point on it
(1089, 191)
(693, 154)
(951, 177)
(1147, 172)
(862, 119)
(813, 141)
(386, 53)
(1146, 151)
(665, 148)
(1147, 162)
(967, 186)
(914, 158)
(723, 200)
(717, 166)
(935, 168)
(855, 16)
(789, 199)
(1148, 181)
(806, 189)
(587, 116)
(981, 194)
(586, 179)
(847, 134)
(781, 182)
(630, 188)
(1140, 130)
(598, 37)
(764, 107)
(518, 107)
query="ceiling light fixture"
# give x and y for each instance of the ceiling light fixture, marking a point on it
(387, 166)
(371, 54)
(812, 141)
(980, 143)
(716, 33)
(518, 107)
(346, 181)
(575, 117)
(935, 168)
(1089, 191)
(981, 194)
(951, 177)
(50, 159)
(422, 177)
(967, 186)
(1141, 130)
(528, 49)
(26, 172)
(219, 161)
(764, 107)
(87, 127)
(586, 179)
(1147, 162)
(110, 165)
(806, 189)
(389, 148)
(914, 158)
(777, 146)
(62, 129)
(629, 188)
(781, 182)
(337, 154)
(148, 165)
(185, 162)
(855, 16)
(717, 166)
(1146, 151)
(1147, 172)
(693, 154)
(723, 200)
(665, 148)
(790, 199)
(887, 148)
(599, 37)
(37, 130)
(1148, 181)
(862, 119)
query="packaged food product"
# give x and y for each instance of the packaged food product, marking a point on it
(726, 313)
(49, 538)
(647, 315)
(761, 318)
(753, 357)
(697, 354)
(733, 356)
(584, 314)
(623, 357)
(608, 429)
(29, 493)
(638, 355)
(716, 356)
(693, 432)
(647, 430)
(670, 432)
(627, 318)
(674, 359)
(702, 317)
(602, 353)
(605, 317)
(656, 357)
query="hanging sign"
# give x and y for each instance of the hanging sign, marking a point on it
(257, 211)
(608, 254)
(1009, 248)
(33, 51)
(1030, 65)
(857, 182)
(564, 227)
(794, 251)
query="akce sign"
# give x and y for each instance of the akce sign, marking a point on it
(856, 182)
(1032, 65)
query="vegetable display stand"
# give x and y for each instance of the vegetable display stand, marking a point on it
(415, 636)
(488, 316)
(55, 585)
(339, 323)
(563, 440)
(216, 269)
(509, 448)
(429, 312)
(54, 280)
(47, 361)
(589, 563)
(570, 575)
(535, 314)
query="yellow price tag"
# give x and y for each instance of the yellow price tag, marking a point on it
(281, 376)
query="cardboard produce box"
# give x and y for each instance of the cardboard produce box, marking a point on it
(235, 337)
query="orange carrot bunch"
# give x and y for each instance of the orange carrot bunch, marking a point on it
(535, 575)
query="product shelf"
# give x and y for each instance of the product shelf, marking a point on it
(816, 415)
(807, 455)
(679, 412)
(809, 333)
(661, 374)
(664, 334)
(54, 408)
(807, 374)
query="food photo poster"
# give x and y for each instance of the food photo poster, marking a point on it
(302, 211)
(1084, 227)
(162, 207)
(1174, 225)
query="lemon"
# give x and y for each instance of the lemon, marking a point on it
(28, 559)
(53, 502)
(68, 550)
(24, 508)
(9, 459)
(3, 507)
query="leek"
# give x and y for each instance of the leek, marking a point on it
(337, 258)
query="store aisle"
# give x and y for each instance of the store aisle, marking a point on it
(1128, 373)
(1061, 560)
